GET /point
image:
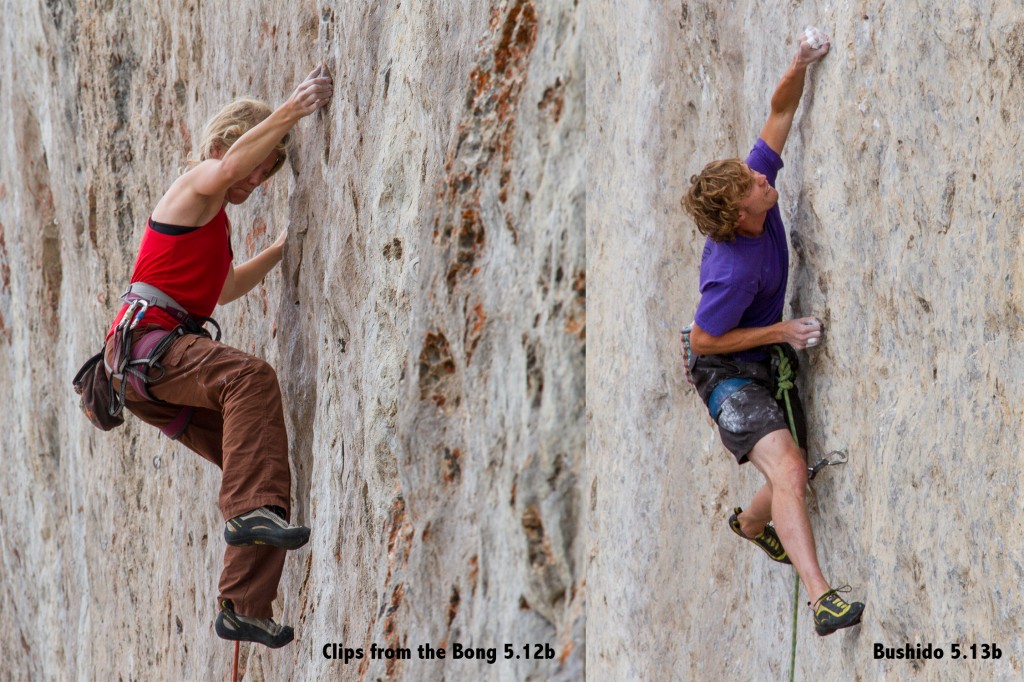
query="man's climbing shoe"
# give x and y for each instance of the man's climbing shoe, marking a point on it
(831, 613)
(767, 540)
(265, 526)
(235, 626)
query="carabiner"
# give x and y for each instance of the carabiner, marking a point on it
(831, 459)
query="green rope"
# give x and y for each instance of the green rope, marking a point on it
(783, 382)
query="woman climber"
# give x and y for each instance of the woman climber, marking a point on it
(216, 400)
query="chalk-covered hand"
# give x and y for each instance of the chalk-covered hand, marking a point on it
(813, 46)
(313, 93)
(803, 332)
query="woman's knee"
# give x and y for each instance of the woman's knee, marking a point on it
(265, 375)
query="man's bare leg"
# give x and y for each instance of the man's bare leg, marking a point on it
(779, 459)
(758, 513)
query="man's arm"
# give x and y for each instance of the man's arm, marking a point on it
(794, 332)
(788, 93)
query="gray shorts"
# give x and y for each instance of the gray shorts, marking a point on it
(750, 412)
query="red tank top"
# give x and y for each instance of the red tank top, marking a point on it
(190, 268)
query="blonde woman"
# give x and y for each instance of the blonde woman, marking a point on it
(216, 400)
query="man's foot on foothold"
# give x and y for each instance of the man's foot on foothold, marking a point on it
(265, 526)
(831, 613)
(236, 627)
(767, 540)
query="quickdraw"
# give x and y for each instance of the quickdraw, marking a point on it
(831, 459)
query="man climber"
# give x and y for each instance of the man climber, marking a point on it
(737, 328)
(216, 400)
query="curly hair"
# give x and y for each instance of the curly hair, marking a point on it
(713, 200)
(233, 121)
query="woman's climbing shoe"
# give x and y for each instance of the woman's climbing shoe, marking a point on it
(235, 626)
(265, 526)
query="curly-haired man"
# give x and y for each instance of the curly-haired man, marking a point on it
(737, 331)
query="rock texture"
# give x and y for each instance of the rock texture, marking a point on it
(902, 192)
(427, 323)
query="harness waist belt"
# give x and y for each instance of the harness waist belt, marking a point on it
(146, 292)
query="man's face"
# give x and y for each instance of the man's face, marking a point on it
(761, 197)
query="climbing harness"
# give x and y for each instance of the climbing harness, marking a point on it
(138, 363)
(723, 390)
(151, 296)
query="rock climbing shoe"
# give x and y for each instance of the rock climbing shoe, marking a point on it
(235, 626)
(265, 526)
(831, 613)
(767, 540)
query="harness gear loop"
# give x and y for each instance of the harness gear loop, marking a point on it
(688, 357)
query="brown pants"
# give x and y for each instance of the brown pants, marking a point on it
(238, 425)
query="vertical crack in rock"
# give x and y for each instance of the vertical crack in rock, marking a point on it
(5, 280)
(545, 576)
(121, 67)
(576, 311)
(534, 370)
(453, 605)
(476, 320)
(36, 178)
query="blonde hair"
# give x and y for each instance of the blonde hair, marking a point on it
(713, 200)
(233, 121)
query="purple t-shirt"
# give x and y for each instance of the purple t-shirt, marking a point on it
(743, 283)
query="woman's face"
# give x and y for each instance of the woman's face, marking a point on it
(240, 191)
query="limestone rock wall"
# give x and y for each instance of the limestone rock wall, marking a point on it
(902, 194)
(427, 325)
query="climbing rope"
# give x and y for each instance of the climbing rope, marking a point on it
(784, 381)
(234, 666)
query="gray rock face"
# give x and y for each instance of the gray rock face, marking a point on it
(427, 325)
(902, 195)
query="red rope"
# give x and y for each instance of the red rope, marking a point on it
(234, 666)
